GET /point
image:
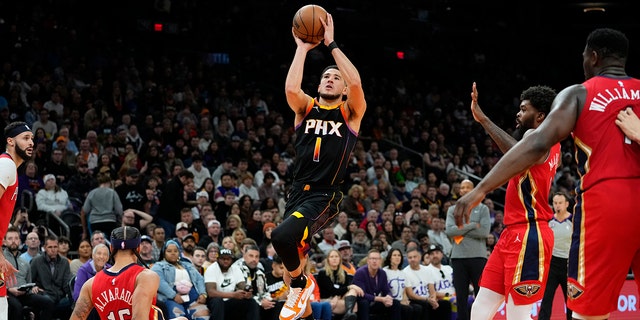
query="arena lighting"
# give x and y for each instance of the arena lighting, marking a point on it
(593, 9)
(157, 27)
(400, 55)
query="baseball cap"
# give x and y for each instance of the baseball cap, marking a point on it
(225, 252)
(434, 247)
(48, 176)
(212, 222)
(132, 172)
(146, 238)
(182, 225)
(344, 244)
(60, 138)
(202, 194)
(190, 235)
(236, 138)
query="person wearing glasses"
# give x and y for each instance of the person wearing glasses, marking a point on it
(136, 218)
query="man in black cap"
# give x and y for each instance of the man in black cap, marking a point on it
(188, 245)
(131, 192)
(146, 250)
(227, 290)
(445, 292)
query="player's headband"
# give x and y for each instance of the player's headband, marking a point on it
(125, 244)
(18, 130)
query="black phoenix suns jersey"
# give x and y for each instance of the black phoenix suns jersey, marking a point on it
(324, 143)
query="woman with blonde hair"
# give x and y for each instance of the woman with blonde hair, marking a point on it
(238, 235)
(233, 222)
(336, 287)
(229, 243)
(354, 204)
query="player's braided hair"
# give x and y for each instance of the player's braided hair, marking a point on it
(126, 238)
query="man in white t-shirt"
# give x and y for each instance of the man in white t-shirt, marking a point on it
(421, 282)
(445, 292)
(226, 289)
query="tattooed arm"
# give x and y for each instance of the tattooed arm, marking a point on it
(83, 304)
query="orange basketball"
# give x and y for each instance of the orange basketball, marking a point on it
(307, 25)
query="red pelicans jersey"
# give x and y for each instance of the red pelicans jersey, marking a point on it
(10, 184)
(602, 150)
(527, 198)
(112, 294)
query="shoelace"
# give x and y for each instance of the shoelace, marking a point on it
(293, 297)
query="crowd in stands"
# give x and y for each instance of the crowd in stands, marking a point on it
(199, 157)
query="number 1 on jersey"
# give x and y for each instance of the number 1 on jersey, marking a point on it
(316, 150)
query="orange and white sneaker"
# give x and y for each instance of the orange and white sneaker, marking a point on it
(297, 300)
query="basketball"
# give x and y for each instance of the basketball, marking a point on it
(306, 23)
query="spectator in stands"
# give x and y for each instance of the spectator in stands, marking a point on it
(82, 181)
(103, 206)
(214, 234)
(335, 286)
(445, 292)
(420, 282)
(146, 250)
(227, 185)
(64, 245)
(438, 236)
(52, 198)
(22, 224)
(68, 156)
(182, 287)
(50, 272)
(87, 155)
(29, 182)
(33, 247)
(225, 167)
(172, 201)
(98, 261)
(354, 204)
(84, 254)
(377, 295)
(213, 249)
(158, 242)
(18, 297)
(200, 172)
(132, 193)
(136, 218)
(328, 241)
(361, 243)
(397, 285)
(97, 237)
(58, 167)
(230, 298)
(344, 247)
(50, 127)
(340, 227)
